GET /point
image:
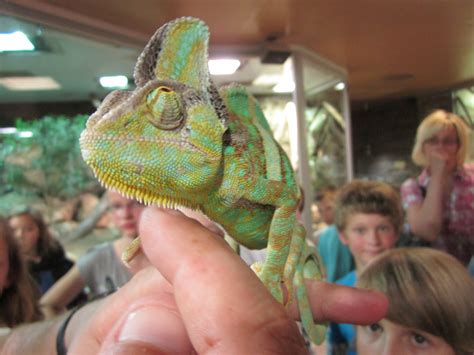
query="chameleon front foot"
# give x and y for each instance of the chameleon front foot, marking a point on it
(131, 251)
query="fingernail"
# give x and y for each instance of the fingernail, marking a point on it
(148, 326)
(171, 211)
(139, 327)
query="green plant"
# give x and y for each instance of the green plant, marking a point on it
(48, 163)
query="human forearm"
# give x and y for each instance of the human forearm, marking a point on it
(426, 219)
(34, 338)
(40, 337)
(55, 300)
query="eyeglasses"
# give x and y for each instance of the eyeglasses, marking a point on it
(125, 205)
(447, 142)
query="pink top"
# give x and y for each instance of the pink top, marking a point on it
(457, 231)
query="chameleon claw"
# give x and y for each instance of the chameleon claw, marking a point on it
(257, 267)
(281, 290)
(131, 251)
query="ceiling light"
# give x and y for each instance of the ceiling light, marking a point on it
(116, 81)
(25, 134)
(285, 86)
(267, 79)
(8, 130)
(223, 66)
(340, 86)
(26, 83)
(15, 41)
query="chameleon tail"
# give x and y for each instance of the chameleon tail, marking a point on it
(309, 267)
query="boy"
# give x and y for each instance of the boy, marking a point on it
(368, 216)
(439, 322)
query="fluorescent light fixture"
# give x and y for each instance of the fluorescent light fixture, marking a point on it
(13, 130)
(340, 86)
(267, 80)
(223, 66)
(8, 130)
(29, 83)
(15, 41)
(116, 81)
(25, 134)
(285, 86)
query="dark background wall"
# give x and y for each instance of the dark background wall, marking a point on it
(30, 111)
(383, 133)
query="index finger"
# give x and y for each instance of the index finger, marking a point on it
(224, 306)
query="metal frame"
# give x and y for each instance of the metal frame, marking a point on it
(298, 55)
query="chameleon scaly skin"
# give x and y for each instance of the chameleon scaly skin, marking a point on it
(177, 141)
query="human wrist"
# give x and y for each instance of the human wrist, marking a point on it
(61, 346)
(41, 336)
(79, 321)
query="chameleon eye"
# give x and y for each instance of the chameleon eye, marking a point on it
(166, 108)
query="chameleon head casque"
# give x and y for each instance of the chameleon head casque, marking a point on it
(166, 132)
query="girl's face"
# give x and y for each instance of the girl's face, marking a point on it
(125, 213)
(388, 338)
(26, 233)
(4, 264)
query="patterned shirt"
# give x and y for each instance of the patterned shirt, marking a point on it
(457, 231)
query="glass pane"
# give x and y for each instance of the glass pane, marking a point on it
(326, 139)
(463, 105)
(325, 125)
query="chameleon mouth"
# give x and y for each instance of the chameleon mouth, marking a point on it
(141, 195)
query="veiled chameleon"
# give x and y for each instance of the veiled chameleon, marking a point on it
(177, 141)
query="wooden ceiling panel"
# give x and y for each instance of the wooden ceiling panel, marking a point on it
(389, 48)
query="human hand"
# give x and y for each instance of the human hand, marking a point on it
(205, 299)
(441, 164)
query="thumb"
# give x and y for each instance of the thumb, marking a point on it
(141, 316)
(148, 330)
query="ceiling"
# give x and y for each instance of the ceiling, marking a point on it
(389, 48)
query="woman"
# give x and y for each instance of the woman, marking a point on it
(18, 294)
(439, 203)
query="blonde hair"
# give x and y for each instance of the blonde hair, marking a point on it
(438, 121)
(368, 197)
(428, 290)
(18, 300)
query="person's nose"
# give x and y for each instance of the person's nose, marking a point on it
(393, 347)
(372, 237)
(126, 213)
(19, 234)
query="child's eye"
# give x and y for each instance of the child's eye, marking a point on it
(374, 328)
(359, 230)
(385, 228)
(419, 339)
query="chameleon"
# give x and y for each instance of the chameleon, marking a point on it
(177, 140)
